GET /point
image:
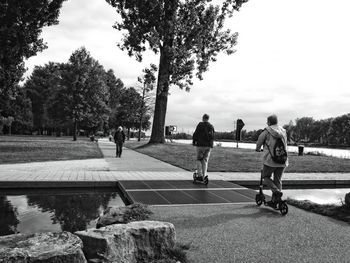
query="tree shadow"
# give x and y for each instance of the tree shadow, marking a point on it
(191, 222)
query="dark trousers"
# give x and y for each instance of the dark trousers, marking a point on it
(119, 148)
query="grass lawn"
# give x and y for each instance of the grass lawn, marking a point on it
(335, 211)
(224, 159)
(21, 149)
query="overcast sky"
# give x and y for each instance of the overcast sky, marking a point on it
(292, 59)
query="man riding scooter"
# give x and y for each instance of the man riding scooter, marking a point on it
(273, 134)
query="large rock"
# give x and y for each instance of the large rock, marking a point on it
(139, 241)
(123, 215)
(43, 247)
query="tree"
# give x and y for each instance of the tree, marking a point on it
(18, 117)
(40, 87)
(289, 130)
(302, 130)
(21, 23)
(147, 80)
(82, 95)
(184, 33)
(339, 132)
(115, 87)
(320, 131)
(127, 112)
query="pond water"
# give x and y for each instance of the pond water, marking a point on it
(319, 196)
(341, 153)
(54, 210)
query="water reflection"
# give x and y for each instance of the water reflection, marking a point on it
(57, 211)
(319, 196)
(8, 217)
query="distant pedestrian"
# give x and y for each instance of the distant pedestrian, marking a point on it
(119, 139)
(203, 139)
(271, 136)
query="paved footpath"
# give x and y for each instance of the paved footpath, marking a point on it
(216, 233)
(132, 166)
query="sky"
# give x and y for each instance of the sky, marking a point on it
(292, 59)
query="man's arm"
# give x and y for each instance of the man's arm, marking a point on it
(261, 140)
(194, 136)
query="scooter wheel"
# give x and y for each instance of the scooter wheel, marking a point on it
(283, 208)
(206, 180)
(259, 199)
(194, 177)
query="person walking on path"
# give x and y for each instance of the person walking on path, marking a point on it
(119, 139)
(271, 136)
(203, 139)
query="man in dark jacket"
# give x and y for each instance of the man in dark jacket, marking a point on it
(203, 139)
(119, 139)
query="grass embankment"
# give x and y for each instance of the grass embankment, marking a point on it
(335, 211)
(224, 159)
(21, 149)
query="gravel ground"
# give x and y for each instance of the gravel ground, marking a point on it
(247, 233)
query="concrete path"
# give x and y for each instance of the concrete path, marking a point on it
(132, 166)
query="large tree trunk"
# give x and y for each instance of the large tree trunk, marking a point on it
(166, 57)
(157, 135)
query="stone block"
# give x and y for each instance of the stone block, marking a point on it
(41, 248)
(140, 241)
(123, 215)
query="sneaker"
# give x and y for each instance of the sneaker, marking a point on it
(279, 196)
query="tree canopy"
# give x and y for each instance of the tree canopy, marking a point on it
(186, 34)
(21, 23)
(82, 94)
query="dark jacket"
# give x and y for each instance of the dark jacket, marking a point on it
(204, 135)
(119, 136)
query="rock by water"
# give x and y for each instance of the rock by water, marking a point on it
(41, 247)
(139, 241)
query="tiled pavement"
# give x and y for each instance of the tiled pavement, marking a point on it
(133, 166)
(133, 170)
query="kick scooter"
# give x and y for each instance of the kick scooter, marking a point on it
(260, 199)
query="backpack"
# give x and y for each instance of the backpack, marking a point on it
(279, 151)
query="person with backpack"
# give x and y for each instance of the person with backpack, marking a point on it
(203, 139)
(119, 139)
(275, 159)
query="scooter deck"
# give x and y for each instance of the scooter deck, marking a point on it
(200, 179)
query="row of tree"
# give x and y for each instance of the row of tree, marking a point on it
(331, 131)
(327, 132)
(81, 95)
